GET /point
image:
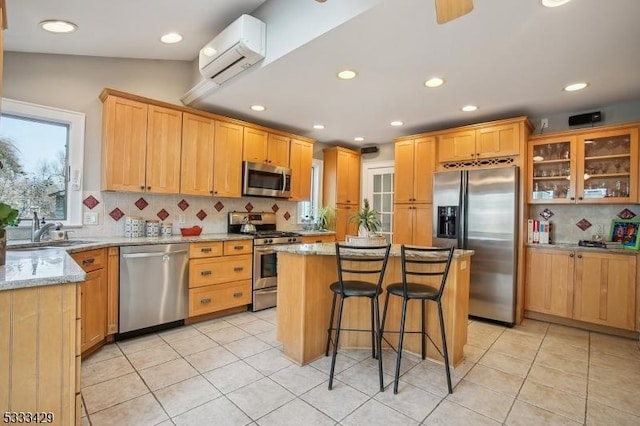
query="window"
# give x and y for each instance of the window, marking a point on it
(41, 150)
(307, 210)
(378, 188)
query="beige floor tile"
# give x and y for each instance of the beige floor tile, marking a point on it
(603, 415)
(233, 376)
(212, 358)
(529, 341)
(559, 346)
(270, 337)
(241, 318)
(562, 363)
(571, 334)
(106, 394)
(531, 327)
(104, 370)
(429, 376)
(299, 380)
(451, 414)
(268, 362)
(179, 333)
(567, 382)
(336, 403)
(482, 400)
(615, 396)
(260, 398)
(295, 413)
(220, 409)
(212, 325)
(227, 335)
(143, 410)
(269, 315)
(623, 378)
(506, 363)
(517, 349)
(614, 361)
(247, 347)
(523, 414)
(374, 413)
(342, 363)
(84, 421)
(496, 380)
(193, 345)
(473, 353)
(482, 340)
(106, 352)
(389, 362)
(162, 375)
(152, 356)
(618, 346)
(183, 396)
(136, 344)
(256, 327)
(553, 400)
(363, 378)
(410, 401)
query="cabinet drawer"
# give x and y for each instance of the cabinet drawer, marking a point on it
(210, 249)
(238, 247)
(319, 239)
(212, 298)
(219, 270)
(91, 260)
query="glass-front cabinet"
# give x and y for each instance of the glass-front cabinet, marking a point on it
(594, 167)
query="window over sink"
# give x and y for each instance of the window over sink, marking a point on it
(42, 150)
(308, 210)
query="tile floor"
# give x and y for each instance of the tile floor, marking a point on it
(231, 371)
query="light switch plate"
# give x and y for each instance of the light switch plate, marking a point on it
(90, 218)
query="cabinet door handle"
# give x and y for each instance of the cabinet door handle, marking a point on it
(148, 188)
(571, 255)
(88, 261)
(206, 249)
(142, 187)
(205, 273)
(238, 247)
(579, 256)
(238, 269)
(205, 300)
(238, 294)
(579, 198)
(573, 198)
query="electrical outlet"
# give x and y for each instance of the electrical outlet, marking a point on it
(90, 218)
(544, 123)
(182, 218)
(600, 229)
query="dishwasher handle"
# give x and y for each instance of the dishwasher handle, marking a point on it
(156, 254)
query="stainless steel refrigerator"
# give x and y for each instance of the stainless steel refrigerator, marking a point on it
(478, 210)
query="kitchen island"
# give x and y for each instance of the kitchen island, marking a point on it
(305, 272)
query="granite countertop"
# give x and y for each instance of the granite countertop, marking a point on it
(314, 232)
(329, 249)
(40, 267)
(570, 246)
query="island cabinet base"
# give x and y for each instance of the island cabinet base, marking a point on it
(304, 308)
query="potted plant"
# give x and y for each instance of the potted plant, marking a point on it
(326, 218)
(8, 216)
(368, 220)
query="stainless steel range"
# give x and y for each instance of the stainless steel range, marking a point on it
(265, 273)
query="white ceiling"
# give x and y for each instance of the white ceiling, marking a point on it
(508, 57)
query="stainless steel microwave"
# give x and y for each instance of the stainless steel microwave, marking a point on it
(265, 180)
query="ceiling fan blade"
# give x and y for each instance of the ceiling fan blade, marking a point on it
(447, 10)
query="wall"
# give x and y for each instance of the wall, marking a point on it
(74, 83)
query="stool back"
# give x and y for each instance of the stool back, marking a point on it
(368, 260)
(425, 262)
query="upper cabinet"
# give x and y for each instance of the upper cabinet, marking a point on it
(264, 147)
(594, 166)
(489, 141)
(164, 139)
(301, 158)
(414, 167)
(348, 177)
(227, 168)
(197, 155)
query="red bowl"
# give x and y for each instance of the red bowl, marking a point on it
(191, 232)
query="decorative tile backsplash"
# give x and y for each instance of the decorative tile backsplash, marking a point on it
(569, 222)
(210, 213)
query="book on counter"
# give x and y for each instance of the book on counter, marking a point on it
(538, 231)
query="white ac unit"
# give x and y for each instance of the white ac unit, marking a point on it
(235, 49)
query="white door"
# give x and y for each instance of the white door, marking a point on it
(377, 187)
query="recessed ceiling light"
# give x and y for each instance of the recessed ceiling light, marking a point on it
(170, 38)
(575, 86)
(258, 107)
(397, 123)
(318, 126)
(358, 139)
(434, 82)
(59, 27)
(469, 108)
(347, 74)
(554, 3)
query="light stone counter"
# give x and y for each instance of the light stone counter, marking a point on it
(329, 249)
(33, 268)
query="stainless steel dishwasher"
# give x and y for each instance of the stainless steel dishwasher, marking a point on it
(153, 285)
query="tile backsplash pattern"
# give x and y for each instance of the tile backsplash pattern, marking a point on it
(565, 218)
(210, 213)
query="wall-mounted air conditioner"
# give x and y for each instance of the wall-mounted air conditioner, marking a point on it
(235, 49)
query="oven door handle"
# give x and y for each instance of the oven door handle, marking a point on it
(262, 251)
(284, 181)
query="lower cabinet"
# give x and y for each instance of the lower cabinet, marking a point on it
(329, 238)
(93, 298)
(413, 224)
(219, 276)
(593, 287)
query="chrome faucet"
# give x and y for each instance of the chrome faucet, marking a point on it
(38, 231)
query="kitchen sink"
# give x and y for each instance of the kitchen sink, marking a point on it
(50, 245)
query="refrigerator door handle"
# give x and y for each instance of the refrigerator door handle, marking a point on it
(462, 211)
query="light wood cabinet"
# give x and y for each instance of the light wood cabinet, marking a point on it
(301, 160)
(198, 137)
(113, 289)
(414, 167)
(598, 166)
(164, 139)
(413, 224)
(227, 168)
(343, 223)
(219, 275)
(263, 147)
(94, 297)
(309, 239)
(497, 141)
(457, 146)
(593, 287)
(489, 140)
(341, 187)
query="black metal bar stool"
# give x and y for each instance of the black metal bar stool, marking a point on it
(425, 262)
(372, 260)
